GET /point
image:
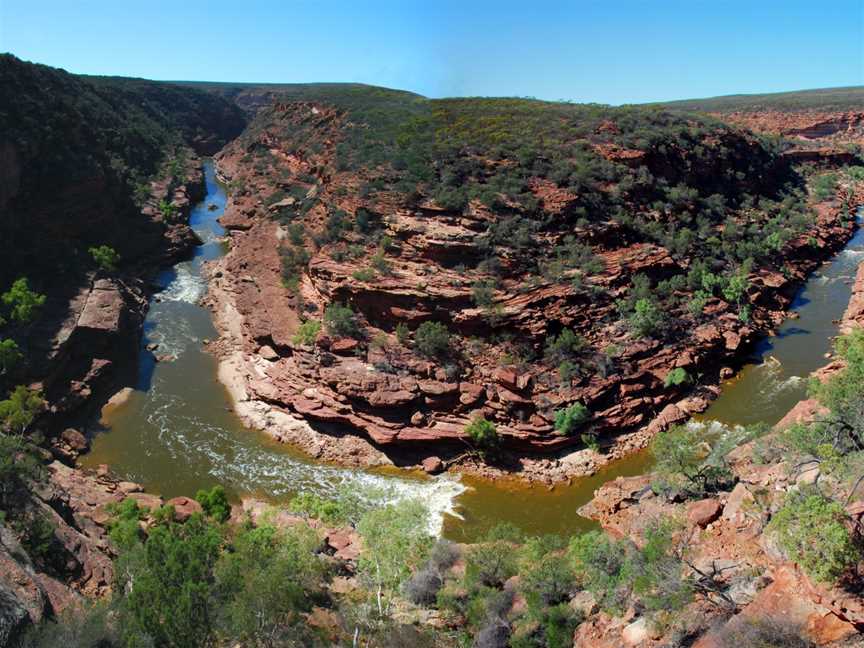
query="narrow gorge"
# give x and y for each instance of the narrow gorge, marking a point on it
(236, 309)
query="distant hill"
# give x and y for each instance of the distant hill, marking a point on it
(848, 98)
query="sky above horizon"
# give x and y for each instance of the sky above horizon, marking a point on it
(612, 51)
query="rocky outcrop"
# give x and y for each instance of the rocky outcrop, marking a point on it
(726, 536)
(401, 401)
(411, 406)
(79, 563)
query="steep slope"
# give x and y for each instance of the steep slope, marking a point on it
(84, 162)
(77, 153)
(584, 265)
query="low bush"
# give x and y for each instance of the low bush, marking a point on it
(307, 332)
(432, 339)
(571, 418)
(366, 275)
(686, 462)
(677, 377)
(423, 586)
(328, 511)
(482, 433)
(105, 257)
(341, 320)
(813, 530)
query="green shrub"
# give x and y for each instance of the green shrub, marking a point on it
(685, 461)
(677, 377)
(402, 333)
(379, 262)
(105, 257)
(340, 320)
(9, 356)
(214, 503)
(603, 567)
(697, 304)
(307, 332)
(172, 600)
(365, 275)
(566, 346)
(328, 511)
(571, 418)
(24, 304)
(396, 541)
(482, 433)
(168, 209)
(267, 584)
(812, 529)
(618, 573)
(647, 319)
(19, 410)
(490, 562)
(483, 293)
(37, 537)
(18, 467)
(296, 234)
(824, 186)
(432, 339)
(567, 371)
(546, 573)
(123, 527)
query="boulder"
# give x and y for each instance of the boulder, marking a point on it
(184, 507)
(704, 512)
(432, 465)
(74, 439)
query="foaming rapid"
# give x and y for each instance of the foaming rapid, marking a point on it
(178, 434)
(187, 286)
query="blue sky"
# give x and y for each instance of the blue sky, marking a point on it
(611, 51)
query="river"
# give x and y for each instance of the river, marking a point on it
(177, 433)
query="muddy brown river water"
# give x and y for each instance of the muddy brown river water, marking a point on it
(177, 432)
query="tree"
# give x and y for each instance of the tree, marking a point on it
(619, 573)
(494, 559)
(105, 257)
(396, 540)
(812, 529)
(432, 339)
(23, 303)
(686, 461)
(735, 288)
(168, 586)
(569, 419)
(18, 411)
(340, 320)
(17, 467)
(546, 576)
(214, 503)
(483, 433)
(9, 356)
(266, 583)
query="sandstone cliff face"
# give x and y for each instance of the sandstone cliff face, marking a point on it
(86, 163)
(413, 406)
(726, 536)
